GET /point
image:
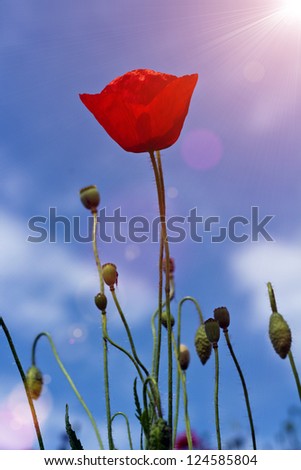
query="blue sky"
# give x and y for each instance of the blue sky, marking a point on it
(239, 148)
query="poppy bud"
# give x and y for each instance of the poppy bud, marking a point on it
(159, 437)
(171, 265)
(280, 335)
(101, 301)
(222, 316)
(90, 197)
(202, 344)
(184, 357)
(34, 381)
(212, 330)
(164, 319)
(110, 274)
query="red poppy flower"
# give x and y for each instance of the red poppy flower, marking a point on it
(143, 110)
(182, 442)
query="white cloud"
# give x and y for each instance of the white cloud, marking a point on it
(39, 279)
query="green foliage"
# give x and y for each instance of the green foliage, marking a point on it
(75, 443)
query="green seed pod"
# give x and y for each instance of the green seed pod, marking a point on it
(212, 330)
(160, 436)
(34, 381)
(90, 197)
(101, 301)
(202, 344)
(164, 319)
(221, 314)
(184, 357)
(280, 335)
(110, 274)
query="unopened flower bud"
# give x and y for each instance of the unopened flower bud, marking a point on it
(110, 274)
(221, 314)
(212, 330)
(280, 334)
(184, 357)
(171, 265)
(34, 381)
(159, 436)
(202, 344)
(164, 319)
(101, 301)
(90, 197)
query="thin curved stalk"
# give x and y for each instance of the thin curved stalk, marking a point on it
(23, 377)
(120, 348)
(119, 413)
(295, 372)
(128, 331)
(179, 371)
(156, 394)
(63, 369)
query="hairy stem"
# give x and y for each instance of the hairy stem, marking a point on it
(106, 381)
(216, 396)
(244, 386)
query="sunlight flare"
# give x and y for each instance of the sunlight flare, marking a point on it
(292, 9)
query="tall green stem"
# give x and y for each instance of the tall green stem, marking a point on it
(156, 346)
(244, 386)
(63, 369)
(23, 377)
(161, 254)
(160, 307)
(216, 396)
(159, 177)
(181, 376)
(104, 335)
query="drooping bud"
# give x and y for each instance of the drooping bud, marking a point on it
(110, 274)
(202, 344)
(184, 357)
(90, 197)
(280, 334)
(101, 301)
(171, 266)
(222, 316)
(34, 379)
(164, 319)
(212, 330)
(160, 435)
